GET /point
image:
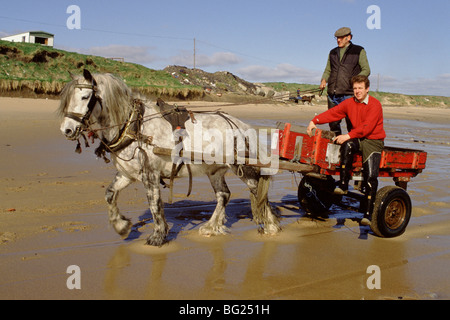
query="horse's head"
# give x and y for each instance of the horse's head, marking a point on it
(79, 99)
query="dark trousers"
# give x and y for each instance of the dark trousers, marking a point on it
(371, 150)
(334, 100)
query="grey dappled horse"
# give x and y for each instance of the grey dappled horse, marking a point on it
(129, 128)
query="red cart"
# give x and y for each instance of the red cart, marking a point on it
(317, 158)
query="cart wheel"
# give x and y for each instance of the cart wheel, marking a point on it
(315, 194)
(391, 213)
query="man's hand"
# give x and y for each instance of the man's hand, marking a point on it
(341, 139)
(323, 84)
(310, 128)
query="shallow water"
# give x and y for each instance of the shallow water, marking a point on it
(309, 259)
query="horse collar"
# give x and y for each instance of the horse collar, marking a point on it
(130, 131)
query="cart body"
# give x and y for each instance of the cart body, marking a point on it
(318, 153)
(399, 163)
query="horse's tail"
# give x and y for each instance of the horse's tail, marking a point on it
(261, 208)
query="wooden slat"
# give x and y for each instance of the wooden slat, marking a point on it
(282, 165)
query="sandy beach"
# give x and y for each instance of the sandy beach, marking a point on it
(53, 215)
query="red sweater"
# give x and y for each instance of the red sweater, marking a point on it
(367, 119)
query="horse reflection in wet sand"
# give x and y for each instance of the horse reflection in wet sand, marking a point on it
(129, 128)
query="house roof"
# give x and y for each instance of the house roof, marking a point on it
(42, 33)
(39, 33)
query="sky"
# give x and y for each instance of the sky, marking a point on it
(407, 41)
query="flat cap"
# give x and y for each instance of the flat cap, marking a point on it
(342, 32)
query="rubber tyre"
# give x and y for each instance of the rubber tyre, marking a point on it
(391, 213)
(315, 195)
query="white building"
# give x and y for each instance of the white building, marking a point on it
(41, 37)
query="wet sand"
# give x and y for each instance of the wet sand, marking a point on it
(53, 215)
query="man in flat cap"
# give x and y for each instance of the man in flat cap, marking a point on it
(344, 62)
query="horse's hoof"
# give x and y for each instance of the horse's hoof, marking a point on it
(270, 230)
(155, 241)
(123, 227)
(208, 231)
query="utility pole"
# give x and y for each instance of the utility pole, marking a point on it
(194, 53)
(378, 82)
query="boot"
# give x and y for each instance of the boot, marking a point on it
(348, 149)
(336, 127)
(371, 169)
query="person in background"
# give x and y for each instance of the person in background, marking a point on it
(344, 62)
(367, 135)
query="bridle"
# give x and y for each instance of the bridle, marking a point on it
(84, 119)
(124, 138)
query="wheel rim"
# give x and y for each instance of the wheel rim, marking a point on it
(395, 214)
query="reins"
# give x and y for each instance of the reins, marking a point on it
(312, 91)
(126, 135)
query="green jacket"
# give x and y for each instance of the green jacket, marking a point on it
(342, 65)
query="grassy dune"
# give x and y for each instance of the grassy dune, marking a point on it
(30, 70)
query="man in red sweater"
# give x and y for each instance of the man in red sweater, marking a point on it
(367, 135)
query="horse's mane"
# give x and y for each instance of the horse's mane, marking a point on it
(115, 95)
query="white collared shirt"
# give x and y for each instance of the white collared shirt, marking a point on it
(365, 101)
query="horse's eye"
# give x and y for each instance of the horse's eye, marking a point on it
(85, 97)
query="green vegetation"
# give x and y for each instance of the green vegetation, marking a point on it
(291, 87)
(36, 70)
(44, 70)
(385, 98)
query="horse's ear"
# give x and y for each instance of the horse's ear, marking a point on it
(72, 76)
(87, 75)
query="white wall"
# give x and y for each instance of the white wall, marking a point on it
(18, 37)
(27, 37)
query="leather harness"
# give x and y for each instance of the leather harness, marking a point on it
(131, 131)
